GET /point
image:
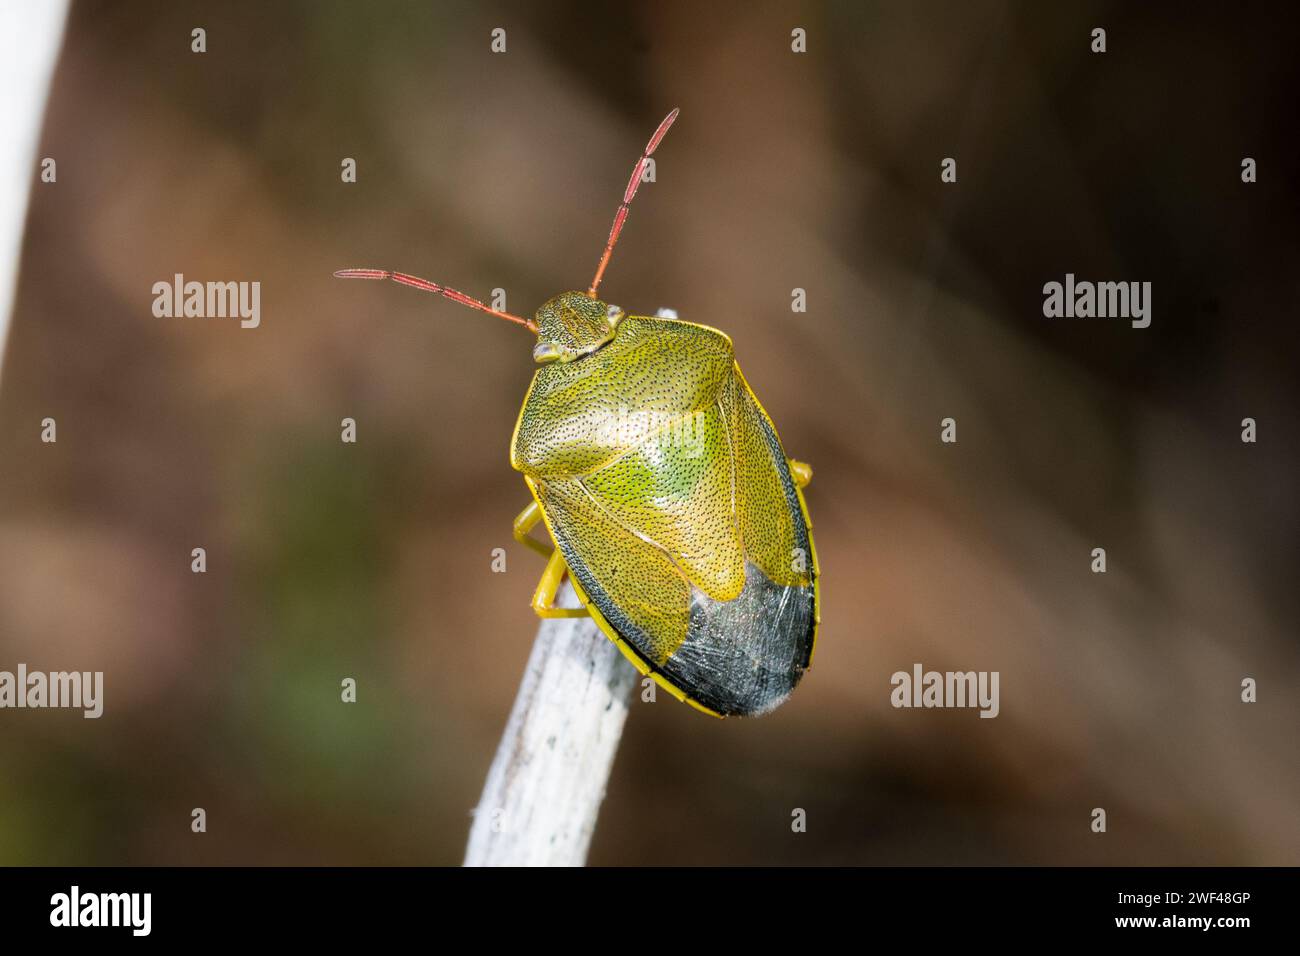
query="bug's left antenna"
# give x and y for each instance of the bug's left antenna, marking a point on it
(620, 217)
(426, 286)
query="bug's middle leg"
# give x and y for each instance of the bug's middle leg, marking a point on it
(524, 523)
(800, 471)
(544, 596)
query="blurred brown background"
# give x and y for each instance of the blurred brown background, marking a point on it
(818, 171)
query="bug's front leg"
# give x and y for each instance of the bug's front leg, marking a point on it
(525, 521)
(544, 596)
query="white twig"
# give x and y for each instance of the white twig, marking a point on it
(548, 778)
(30, 34)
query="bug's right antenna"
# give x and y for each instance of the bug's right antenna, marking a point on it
(620, 217)
(425, 285)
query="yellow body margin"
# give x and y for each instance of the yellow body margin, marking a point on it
(803, 507)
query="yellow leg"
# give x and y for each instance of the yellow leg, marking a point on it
(524, 523)
(800, 471)
(544, 596)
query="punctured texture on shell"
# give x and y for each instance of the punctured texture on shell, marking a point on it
(667, 490)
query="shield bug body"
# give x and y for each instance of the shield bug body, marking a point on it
(667, 493)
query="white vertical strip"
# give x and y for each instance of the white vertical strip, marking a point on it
(30, 35)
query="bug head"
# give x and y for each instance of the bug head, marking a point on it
(574, 324)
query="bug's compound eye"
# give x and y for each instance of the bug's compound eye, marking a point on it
(548, 352)
(614, 314)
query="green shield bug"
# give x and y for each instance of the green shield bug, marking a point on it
(667, 494)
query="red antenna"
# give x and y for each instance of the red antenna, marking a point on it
(427, 286)
(620, 217)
